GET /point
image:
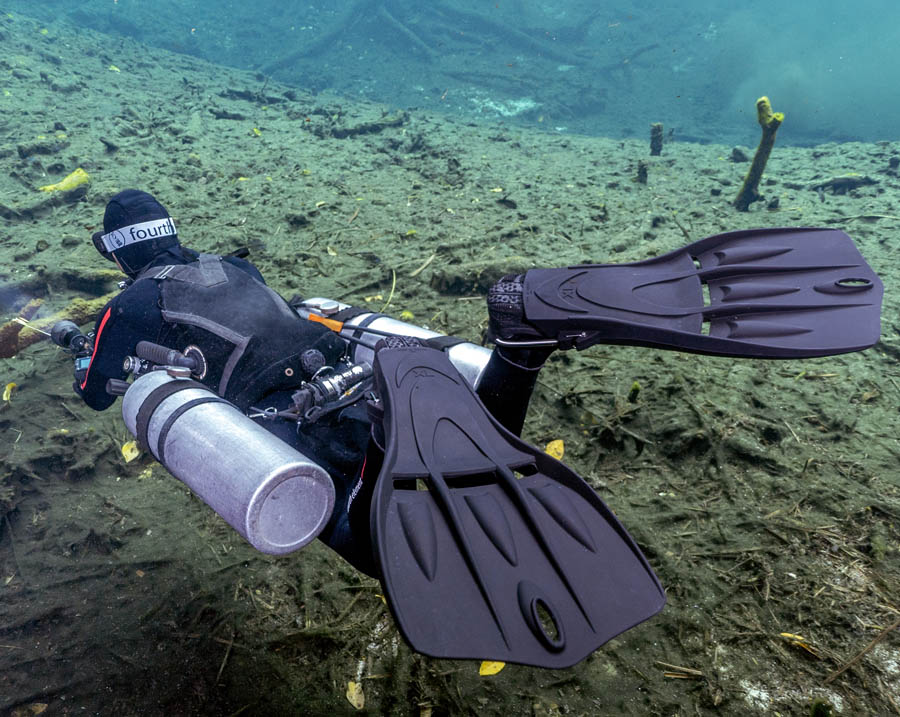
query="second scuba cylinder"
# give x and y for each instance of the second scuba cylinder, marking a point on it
(274, 496)
(469, 359)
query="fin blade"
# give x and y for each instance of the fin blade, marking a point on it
(418, 529)
(757, 329)
(748, 291)
(479, 603)
(745, 254)
(810, 279)
(560, 507)
(490, 517)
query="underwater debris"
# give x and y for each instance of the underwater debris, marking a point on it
(802, 643)
(555, 449)
(9, 332)
(398, 119)
(404, 31)
(15, 336)
(43, 146)
(842, 184)
(770, 122)
(523, 106)
(130, 451)
(490, 667)
(109, 144)
(656, 139)
(643, 168)
(355, 695)
(738, 155)
(226, 114)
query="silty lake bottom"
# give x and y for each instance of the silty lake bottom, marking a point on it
(765, 494)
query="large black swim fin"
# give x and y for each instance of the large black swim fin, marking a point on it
(767, 293)
(487, 547)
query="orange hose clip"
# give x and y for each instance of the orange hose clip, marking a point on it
(332, 324)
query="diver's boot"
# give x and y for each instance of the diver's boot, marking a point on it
(519, 341)
(511, 373)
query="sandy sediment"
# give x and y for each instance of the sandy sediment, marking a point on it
(766, 495)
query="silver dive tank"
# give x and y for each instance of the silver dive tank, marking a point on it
(468, 358)
(270, 493)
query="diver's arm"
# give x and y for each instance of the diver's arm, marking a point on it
(105, 363)
(132, 316)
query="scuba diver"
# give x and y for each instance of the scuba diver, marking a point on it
(399, 448)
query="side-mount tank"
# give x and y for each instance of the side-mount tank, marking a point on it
(270, 493)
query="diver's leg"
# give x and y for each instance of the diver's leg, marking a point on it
(509, 378)
(506, 389)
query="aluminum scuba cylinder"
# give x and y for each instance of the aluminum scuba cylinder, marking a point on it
(274, 496)
(468, 358)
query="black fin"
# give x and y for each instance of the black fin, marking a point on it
(772, 293)
(488, 548)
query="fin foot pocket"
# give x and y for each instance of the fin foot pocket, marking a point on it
(522, 563)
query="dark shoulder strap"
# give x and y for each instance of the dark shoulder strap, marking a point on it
(207, 271)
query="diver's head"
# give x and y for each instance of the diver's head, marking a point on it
(136, 228)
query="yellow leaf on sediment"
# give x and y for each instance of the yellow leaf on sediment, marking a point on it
(130, 451)
(555, 449)
(73, 180)
(489, 667)
(355, 695)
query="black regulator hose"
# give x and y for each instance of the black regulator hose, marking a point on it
(164, 356)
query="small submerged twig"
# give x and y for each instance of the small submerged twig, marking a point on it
(423, 266)
(680, 673)
(391, 295)
(225, 659)
(12, 544)
(863, 217)
(680, 226)
(859, 655)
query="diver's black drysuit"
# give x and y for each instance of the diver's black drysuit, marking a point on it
(258, 353)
